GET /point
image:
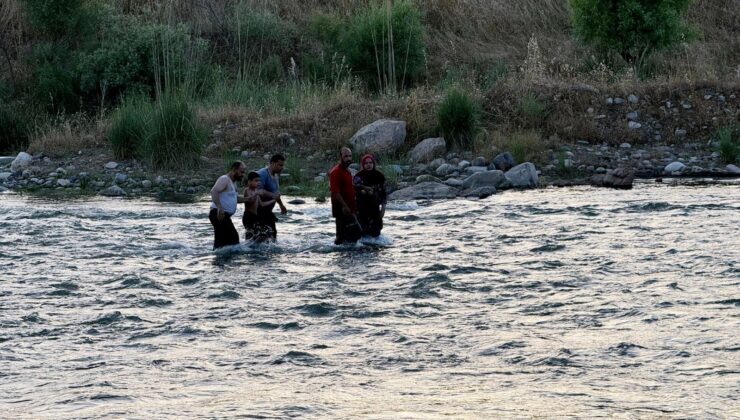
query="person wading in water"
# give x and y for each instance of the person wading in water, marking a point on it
(256, 228)
(224, 199)
(370, 187)
(343, 206)
(270, 181)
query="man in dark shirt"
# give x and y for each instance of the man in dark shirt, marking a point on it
(343, 206)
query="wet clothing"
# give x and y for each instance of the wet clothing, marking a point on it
(340, 181)
(270, 183)
(224, 231)
(369, 203)
(256, 228)
(228, 197)
(348, 229)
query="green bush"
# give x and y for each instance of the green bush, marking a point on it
(458, 118)
(258, 34)
(13, 130)
(55, 84)
(174, 138)
(130, 127)
(59, 19)
(380, 61)
(630, 28)
(533, 111)
(729, 144)
(135, 56)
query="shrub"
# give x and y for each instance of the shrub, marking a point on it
(129, 127)
(458, 117)
(59, 19)
(173, 137)
(13, 130)
(631, 28)
(385, 48)
(258, 34)
(55, 84)
(729, 144)
(533, 111)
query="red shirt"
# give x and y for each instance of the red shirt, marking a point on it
(340, 181)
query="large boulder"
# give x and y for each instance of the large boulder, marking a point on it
(495, 179)
(523, 175)
(504, 161)
(382, 136)
(619, 178)
(428, 150)
(113, 191)
(674, 167)
(20, 162)
(424, 191)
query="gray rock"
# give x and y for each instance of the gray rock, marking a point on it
(20, 162)
(479, 161)
(146, 184)
(633, 99)
(120, 178)
(463, 164)
(428, 150)
(111, 165)
(600, 170)
(436, 163)
(625, 146)
(634, 125)
(523, 176)
(504, 161)
(454, 182)
(610, 101)
(297, 201)
(732, 169)
(3, 189)
(618, 101)
(674, 167)
(475, 169)
(427, 178)
(319, 178)
(619, 178)
(493, 179)
(680, 133)
(632, 116)
(63, 183)
(382, 136)
(444, 169)
(424, 191)
(480, 192)
(4, 176)
(113, 191)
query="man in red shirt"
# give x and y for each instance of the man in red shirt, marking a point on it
(343, 206)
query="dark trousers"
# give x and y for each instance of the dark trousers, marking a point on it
(372, 224)
(348, 230)
(224, 231)
(268, 218)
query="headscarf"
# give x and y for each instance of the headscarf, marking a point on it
(366, 157)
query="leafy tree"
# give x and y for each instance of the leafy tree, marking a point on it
(631, 28)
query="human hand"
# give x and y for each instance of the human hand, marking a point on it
(283, 210)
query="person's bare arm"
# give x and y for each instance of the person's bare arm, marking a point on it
(337, 198)
(220, 186)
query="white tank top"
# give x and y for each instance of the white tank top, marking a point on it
(228, 198)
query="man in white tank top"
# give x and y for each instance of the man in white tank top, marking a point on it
(224, 198)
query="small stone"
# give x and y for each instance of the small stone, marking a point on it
(319, 178)
(111, 165)
(610, 101)
(707, 97)
(632, 116)
(618, 101)
(63, 183)
(600, 170)
(680, 133)
(674, 167)
(634, 125)
(625, 146)
(113, 191)
(633, 99)
(120, 178)
(732, 169)
(686, 105)
(590, 110)
(146, 184)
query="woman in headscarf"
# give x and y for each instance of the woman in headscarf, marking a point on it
(371, 197)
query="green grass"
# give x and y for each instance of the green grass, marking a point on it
(458, 117)
(729, 144)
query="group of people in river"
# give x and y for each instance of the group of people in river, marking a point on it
(357, 200)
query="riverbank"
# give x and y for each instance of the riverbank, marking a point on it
(579, 134)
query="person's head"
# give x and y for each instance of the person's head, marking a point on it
(367, 162)
(345, 157)
(277, 163)
(237, 170)
(253, 180)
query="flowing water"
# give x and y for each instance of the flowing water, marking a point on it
(555, 302)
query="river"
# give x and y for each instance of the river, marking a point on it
(544, 303)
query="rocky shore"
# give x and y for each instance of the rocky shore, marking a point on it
(428, 169)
